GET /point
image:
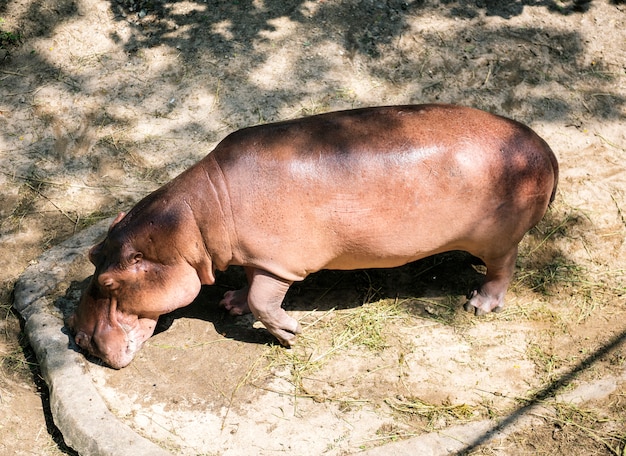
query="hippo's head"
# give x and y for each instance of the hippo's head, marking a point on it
(141, 273)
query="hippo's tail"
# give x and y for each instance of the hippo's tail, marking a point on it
(555, 170)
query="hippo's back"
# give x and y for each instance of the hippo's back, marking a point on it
(379, 187)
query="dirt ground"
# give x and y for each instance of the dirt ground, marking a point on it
(103, 101)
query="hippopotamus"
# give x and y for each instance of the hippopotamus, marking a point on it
(366, 188)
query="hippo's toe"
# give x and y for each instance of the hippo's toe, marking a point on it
(479, 305)
(286, 337)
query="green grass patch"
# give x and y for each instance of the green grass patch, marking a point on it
(8, 38)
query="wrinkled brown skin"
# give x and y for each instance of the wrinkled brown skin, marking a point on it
(368, 188)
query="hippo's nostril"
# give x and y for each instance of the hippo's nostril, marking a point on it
(82, 340)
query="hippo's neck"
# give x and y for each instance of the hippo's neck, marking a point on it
(212, 212)
(191, 212)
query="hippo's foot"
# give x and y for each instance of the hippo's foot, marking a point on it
(236, 302)
(490, 296)
(482, 305)
(286, 331)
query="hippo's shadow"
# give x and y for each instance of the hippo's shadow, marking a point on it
(443, 275)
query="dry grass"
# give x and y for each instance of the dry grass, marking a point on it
(13, 363)
(332, 332)
(436, 416)
(591, 423)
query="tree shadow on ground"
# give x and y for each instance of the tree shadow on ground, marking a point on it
(232, 42)
(361, 26)
(373, 33)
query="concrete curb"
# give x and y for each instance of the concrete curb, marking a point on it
(78, 410)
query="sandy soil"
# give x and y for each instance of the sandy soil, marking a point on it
(101, 102)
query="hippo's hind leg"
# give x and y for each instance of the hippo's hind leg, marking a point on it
(236, 301)
(265, 299)
(490, 295)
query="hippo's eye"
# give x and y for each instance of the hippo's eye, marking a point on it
(108, 280)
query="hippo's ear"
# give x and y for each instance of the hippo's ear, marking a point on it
(94, 253)
(117, 219)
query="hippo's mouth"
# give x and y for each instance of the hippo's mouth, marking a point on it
(116, 358)
(134, 337)
(123, 354)
(114, 344)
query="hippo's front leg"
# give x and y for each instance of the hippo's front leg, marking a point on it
(265, 298)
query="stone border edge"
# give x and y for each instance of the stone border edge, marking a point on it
(85, 421)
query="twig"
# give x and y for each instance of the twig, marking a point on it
(306, 395)
(13, 73)
(242, 382)
(14, 94)
(488, 75)
(287, 393)
(392, 437)
(619, 210)
(535, 42)
(441, 38)
(60, 184)
(74, 221)
(324, 315)
(610, 143)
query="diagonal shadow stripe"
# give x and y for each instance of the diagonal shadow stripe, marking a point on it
(549, 391)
